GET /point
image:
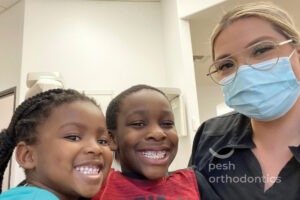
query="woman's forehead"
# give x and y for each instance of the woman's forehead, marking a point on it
(241, 33)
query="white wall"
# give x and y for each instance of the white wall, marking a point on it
(209, 97)
(178, 59)
(95, 44)
(209, 93)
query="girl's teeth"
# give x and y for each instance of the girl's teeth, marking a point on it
(154, 154)
(88, 170)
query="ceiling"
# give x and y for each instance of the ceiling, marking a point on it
(6, 4)
(131, 0)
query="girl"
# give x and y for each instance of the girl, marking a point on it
(61, 141)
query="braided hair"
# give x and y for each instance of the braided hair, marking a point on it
(28, 116)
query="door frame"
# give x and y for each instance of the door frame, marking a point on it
(4, 94)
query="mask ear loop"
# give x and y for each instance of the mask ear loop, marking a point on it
(292, 54)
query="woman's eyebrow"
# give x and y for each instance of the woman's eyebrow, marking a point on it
(245, 47)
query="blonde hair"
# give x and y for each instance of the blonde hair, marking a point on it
(278, 18)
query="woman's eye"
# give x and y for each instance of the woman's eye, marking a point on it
(225, 65)
(73, 137)
(262, 50)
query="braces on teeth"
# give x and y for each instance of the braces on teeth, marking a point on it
(154, 154)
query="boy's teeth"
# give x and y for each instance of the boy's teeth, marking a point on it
(88, 170)
(154, 154)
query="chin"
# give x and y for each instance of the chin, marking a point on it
(89, 193)
(155, 175)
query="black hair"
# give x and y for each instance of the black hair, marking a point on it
(28, 116)
(114, 106)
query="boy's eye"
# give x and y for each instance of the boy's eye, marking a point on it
(73, 137)
(168, 124)
(138, 124)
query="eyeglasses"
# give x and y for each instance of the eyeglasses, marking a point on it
(259, 52)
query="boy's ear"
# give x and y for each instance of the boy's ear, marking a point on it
(113, 144)
(25, 155)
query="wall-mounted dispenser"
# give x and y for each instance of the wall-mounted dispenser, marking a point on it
(41, 81)
(176, 100)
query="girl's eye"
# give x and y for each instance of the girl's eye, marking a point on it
(73, 137)
(103, 142)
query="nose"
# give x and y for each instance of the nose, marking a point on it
(240, 60)
(92, 147)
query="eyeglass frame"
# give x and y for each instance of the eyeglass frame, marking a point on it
(278, 44)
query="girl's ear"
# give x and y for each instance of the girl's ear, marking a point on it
(25, 155)
(113, 144)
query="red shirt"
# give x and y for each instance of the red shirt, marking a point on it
(180, 185)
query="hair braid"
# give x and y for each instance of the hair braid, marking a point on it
(6, 149)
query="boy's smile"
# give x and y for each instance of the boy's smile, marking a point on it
(155, 155)
(146, 135)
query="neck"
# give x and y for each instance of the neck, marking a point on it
(42, 186)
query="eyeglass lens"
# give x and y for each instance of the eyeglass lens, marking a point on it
(257, 53)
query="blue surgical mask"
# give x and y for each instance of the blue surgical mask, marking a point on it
(263, 94)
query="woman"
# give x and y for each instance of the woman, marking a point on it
(254, 152)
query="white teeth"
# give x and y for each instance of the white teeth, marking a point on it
(88, 169)
(154, 154)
